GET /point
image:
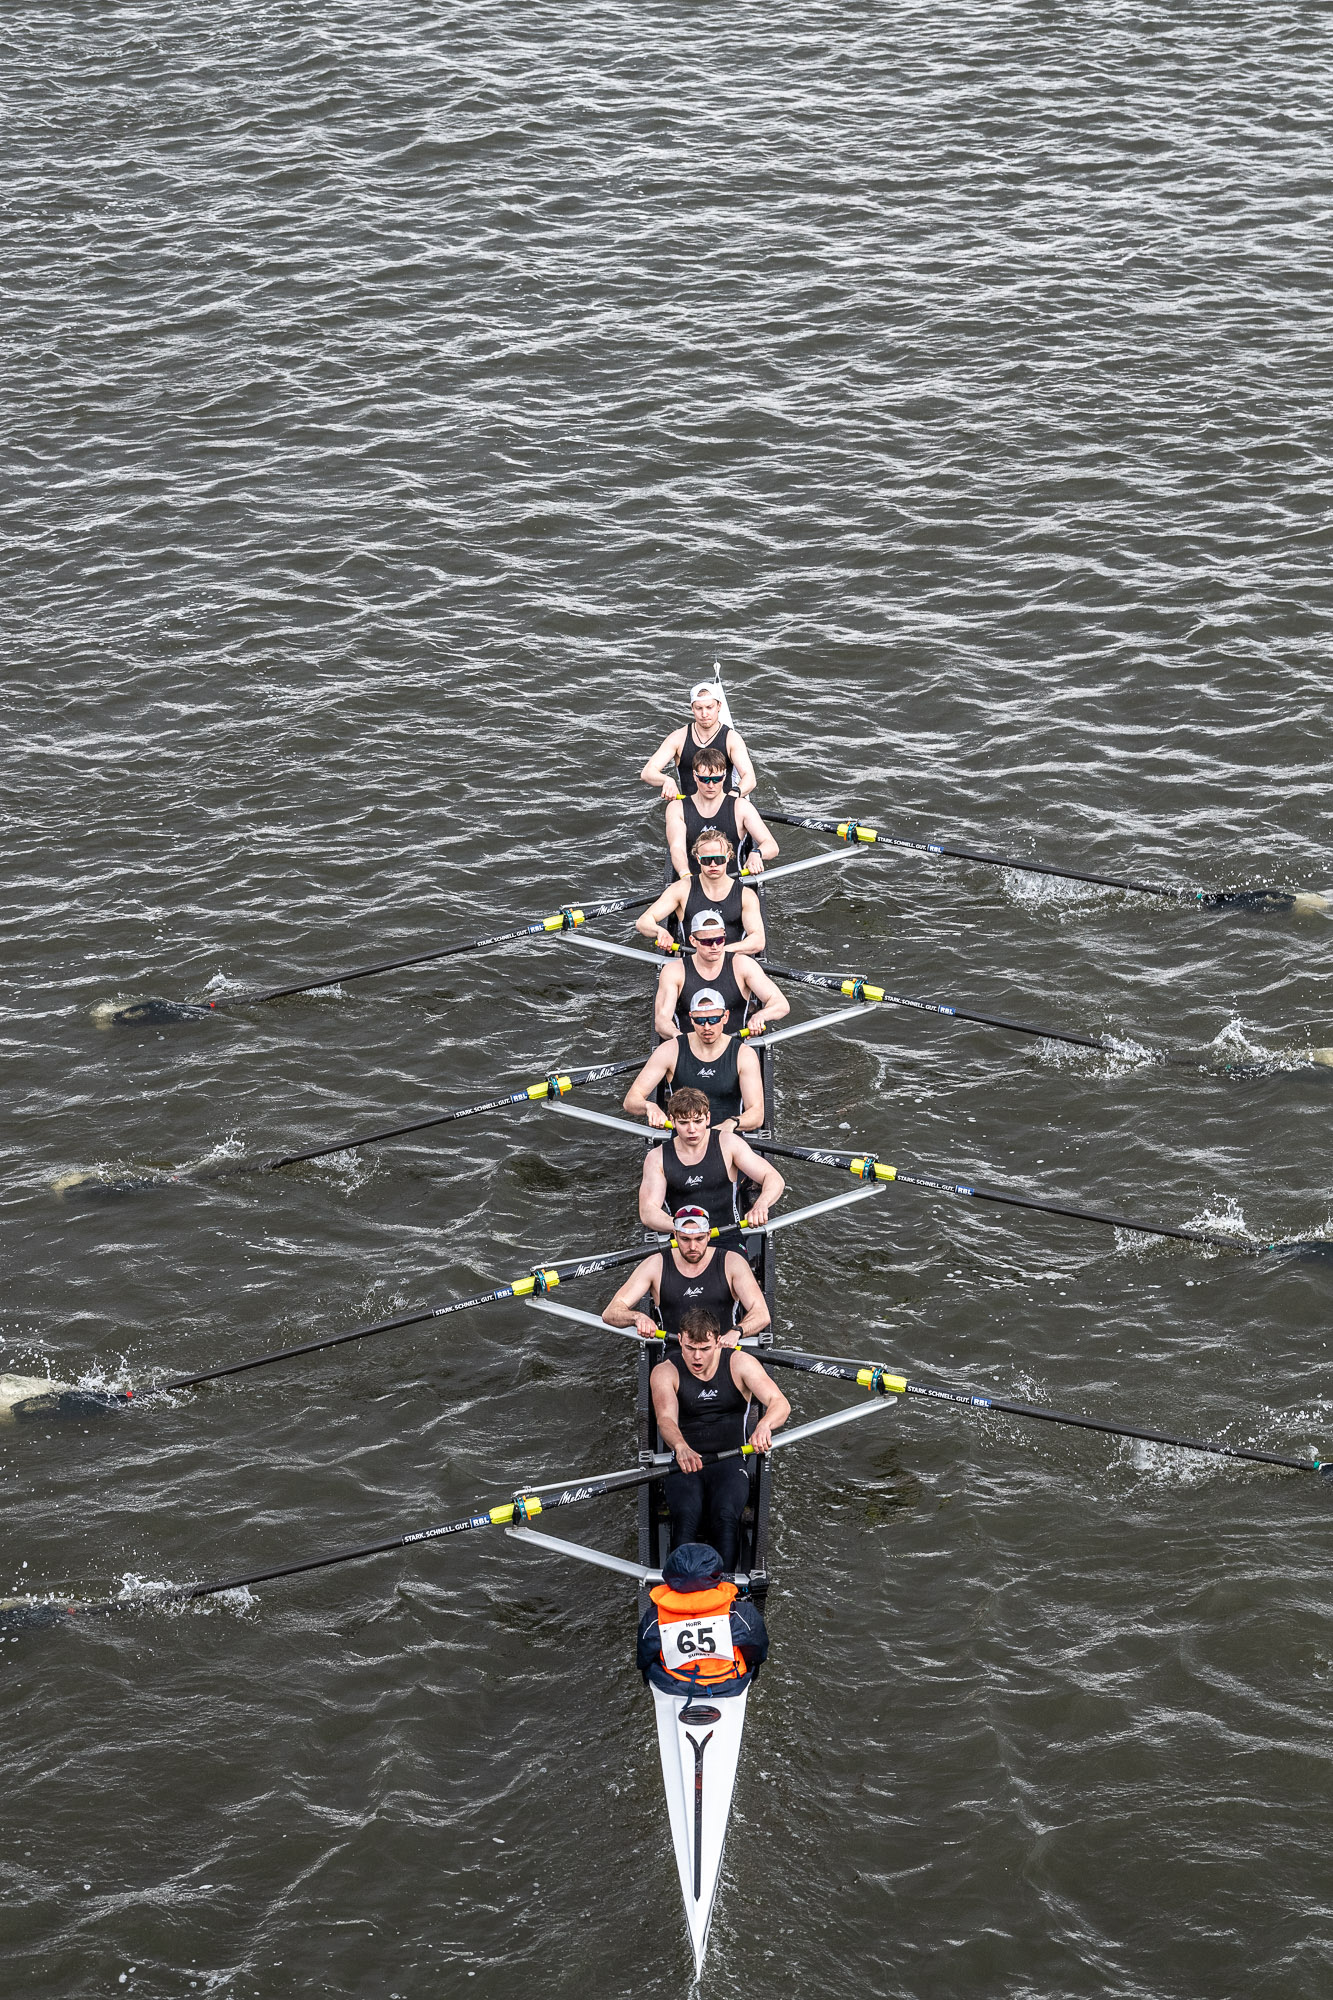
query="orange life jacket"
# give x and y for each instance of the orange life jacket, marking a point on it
(695, 1629)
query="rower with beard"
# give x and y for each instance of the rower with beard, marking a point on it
(712, 810)
(752, 1000)
(707, 1058)
(703, 1396)
(705, 727)
(725, 895)
(692, 1271)
(699, 1168)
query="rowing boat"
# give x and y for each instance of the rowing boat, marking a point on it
(700, 1741)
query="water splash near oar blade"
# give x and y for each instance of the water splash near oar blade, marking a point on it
(93, 1184)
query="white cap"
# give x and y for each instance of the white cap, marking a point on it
(691, 1222)
(713, 689)
(707, 997)
(707, 920)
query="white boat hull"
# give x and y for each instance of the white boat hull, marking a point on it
(699, 1774)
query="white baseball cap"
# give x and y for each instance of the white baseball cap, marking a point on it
(711, 689)
(707, 920)
(691, 1222)
(707, 997)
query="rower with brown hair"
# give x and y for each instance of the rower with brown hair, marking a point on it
(699, 1168)
(710, 809)
(702, 1398)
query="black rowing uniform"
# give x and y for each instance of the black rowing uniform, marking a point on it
(722, 821)
(720, 737)
(729, 909)
(726, 984)
(712, 1414)
(678, 1292)
(705, 1185)
(718, 1076)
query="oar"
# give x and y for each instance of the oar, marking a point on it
(868, 1167)
(857, 988)
(61, 1399)
(555, 1084)
(525, 1506)
(881, 1381)
(1306, 901)
(149, 1011)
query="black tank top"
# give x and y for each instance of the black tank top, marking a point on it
(717, 1076)
(729, 909)
(679, 1292)
(723, 821)
(712, 1414)
(707, 1185)
(685, 761)
(726, 984)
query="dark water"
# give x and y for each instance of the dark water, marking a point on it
(402, 405)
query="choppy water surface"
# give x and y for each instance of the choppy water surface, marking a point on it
(402, 406)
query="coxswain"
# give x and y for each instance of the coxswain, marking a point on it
(699, 1168)
(704, 728)
(691, 1271)
(752, 1000)
(711, 809)
(706, 1058)
(713, 889)
(700, 1636)
(702, 1397)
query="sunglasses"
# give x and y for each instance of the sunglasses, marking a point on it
(712, 860)
(708, 777)
(705, 1020)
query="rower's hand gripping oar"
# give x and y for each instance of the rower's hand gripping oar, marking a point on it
(882, 1381)
(526, 1505)
(866, 1167)
(1303, 902)
(149, 1012)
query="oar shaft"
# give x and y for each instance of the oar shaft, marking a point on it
(860, 832)
(880, 1380)
(867, 1167)
(832, 982)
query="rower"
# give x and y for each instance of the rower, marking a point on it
(681, 747)
(699, 1168)
(703, 1397)
(706, 1059)
(710, 808)
(752, 1000)
(691, 1272)
(733, 900)
(700, 1637)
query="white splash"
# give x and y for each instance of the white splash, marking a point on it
(16, 1389)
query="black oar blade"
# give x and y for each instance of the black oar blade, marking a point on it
(60, 1404)
(148, 1013)
(30, 1614)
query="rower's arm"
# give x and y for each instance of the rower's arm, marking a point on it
(655, 771)
(666, 1408)
(622, 1309)
(773, 1004)
(751, 1082)
(669, 904)
(670, 981)
(746, 1161)
(652, 1194)
(740, 757)
(675, 838)
(748, 821)
(641, 1098)
(753, 942)
(744, 1288)
(749, 1374)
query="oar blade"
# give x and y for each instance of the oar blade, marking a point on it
(148, 1013)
